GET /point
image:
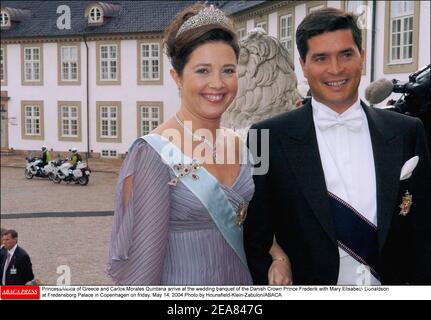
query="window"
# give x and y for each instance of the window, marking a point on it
(32, 120)
(108, 117)
(262, 25)
(109, 154)
(108, 121)
(3, 64)
(69, 120)
(315, 5)
(150, 61)
(32, 64)
(95, 15)
(150, 116)
(108, 63)
(69, 63)
(359, 9)
(401, 36)
(401, 40)
(150, 119)
(286, 32)
(4, 19)
(241, 33)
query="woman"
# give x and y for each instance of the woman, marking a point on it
(179, 213)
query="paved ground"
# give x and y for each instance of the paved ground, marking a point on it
(68, 232)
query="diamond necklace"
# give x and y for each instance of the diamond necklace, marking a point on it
(201, 138)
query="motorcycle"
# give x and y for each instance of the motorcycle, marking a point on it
(51, 168)
(34, 168)
(81, 174)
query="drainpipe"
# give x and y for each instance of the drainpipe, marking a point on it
(373, 41)
(88, 98)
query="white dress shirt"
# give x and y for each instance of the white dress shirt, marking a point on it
(348, 165)
(9, 253)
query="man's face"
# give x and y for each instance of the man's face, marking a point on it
(333, 67)
(9, 242)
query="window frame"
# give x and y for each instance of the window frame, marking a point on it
(406, 66)
(90, 17)
(6, 25)
(24, 134)
(99, 80)
(99, 106)
(140, 80)
(139, 117)
(61, 136)
(262, 19)
(363, 31)
(60, 79)
(290, 11)
(3, 62)
(24, 81)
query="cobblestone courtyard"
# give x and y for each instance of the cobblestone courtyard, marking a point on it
(78, 242)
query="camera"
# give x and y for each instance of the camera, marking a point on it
(416, 98)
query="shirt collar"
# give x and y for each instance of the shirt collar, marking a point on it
(12, 251)
(320, 107)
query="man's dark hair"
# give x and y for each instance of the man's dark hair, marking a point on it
(13, 233)
(326, 20)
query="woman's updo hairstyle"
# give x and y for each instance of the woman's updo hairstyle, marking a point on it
(179, 47)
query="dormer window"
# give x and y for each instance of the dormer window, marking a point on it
(95, 15)
(4, 19)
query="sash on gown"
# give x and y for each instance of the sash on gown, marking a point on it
(208, 190)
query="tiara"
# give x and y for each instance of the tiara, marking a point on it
(209, 15)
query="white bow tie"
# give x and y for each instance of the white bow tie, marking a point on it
(352, 120)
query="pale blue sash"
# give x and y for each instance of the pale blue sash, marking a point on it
(207, 189)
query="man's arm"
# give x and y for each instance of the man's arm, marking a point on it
(258, 230)
(420, 215)
(27, 268)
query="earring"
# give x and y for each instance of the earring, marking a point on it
(180, 94)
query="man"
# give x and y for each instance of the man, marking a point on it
(46, 156)
(75, 158)
(339, 196)
(16, 267)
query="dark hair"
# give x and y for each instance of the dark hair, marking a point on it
(326, 20)
(13, 233)
(179, 49)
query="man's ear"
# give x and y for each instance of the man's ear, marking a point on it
(303, 67)
(176, 77)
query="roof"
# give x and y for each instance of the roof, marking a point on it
(233, 7)
(133, 17)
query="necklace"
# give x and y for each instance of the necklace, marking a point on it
(201, 138)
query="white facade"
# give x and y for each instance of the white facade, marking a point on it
(129, 93)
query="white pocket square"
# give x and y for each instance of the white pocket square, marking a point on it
(408, 167)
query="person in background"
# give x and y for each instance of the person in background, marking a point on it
(15, 265)
(46, 156)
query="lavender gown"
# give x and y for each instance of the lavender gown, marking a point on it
(166, 236)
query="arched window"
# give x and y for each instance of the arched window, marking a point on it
(4, 19)
(95, 15)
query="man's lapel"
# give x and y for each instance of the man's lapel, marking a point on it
(388, 157)
(302, 152)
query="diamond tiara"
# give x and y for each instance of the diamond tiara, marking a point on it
(209, 15)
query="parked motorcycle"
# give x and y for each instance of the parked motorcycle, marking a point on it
(34, 168)
(80, 175)
(51, 168)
